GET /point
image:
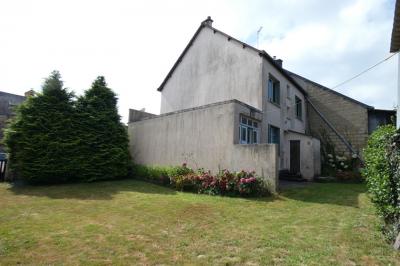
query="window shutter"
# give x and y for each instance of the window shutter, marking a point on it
(270, 90)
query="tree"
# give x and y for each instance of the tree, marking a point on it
(103, 138)
(40, 140)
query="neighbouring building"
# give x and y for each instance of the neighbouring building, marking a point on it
(227, 105)
(339, 120)
(8, 102)
(395, 48)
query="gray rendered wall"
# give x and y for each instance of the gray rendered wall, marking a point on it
(214, 70)
(202, 137)
(282, 116)
(310, 165)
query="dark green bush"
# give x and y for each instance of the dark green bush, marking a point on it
(40, 139)
(382, 179)
(54, 138)
(158, 174)
(103, 139)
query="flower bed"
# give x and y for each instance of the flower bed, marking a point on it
(183, 178)
(342, 168)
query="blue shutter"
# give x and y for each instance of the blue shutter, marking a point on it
(270, 90)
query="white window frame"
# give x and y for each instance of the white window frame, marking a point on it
(247, 128)
(274, 90)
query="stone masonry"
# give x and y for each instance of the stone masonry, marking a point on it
(349, 117)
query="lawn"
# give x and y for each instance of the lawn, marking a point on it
(131, 222)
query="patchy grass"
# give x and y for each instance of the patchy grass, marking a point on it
(131, 222)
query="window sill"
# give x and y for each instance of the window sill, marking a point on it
(274, 103)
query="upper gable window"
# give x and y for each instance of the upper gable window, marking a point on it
(299, 108)
(274, 90)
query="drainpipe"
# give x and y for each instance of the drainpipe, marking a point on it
(345, 142)
(398, 93)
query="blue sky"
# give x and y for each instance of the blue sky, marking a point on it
(135, 43)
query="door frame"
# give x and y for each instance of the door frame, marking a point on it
(291, 167)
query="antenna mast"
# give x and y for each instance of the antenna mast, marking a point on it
(258, 35)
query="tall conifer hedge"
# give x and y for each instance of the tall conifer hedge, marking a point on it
(55, 138)
(103, 139)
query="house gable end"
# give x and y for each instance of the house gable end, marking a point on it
(262, 53)
(213, 68)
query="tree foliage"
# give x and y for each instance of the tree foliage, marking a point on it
(56, 138)
(382, 158)
(103, 139)
(39, 140)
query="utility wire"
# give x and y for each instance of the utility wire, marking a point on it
(363, 72)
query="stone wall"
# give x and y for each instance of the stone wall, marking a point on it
(8, 102)
(349, 117)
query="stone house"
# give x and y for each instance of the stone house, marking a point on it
(8, 101)
(343, 121)
(227, 105)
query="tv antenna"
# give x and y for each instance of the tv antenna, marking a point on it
(258, 36)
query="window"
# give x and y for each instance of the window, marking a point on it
(248, 130)
(273, 135)
(299, 108)
(288, 92)
(273, 90)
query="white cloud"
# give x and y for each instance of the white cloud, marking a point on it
(353, 37)
(135, 43)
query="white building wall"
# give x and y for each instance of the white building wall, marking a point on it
(310, 161)
(203, 138)
(214, 69)
(217, 68)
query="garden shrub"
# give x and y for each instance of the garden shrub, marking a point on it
(341, 167)
(40, 139)
(186, 182)
(103, 139)
(382, 175)
(55, 138)
(349, 176)
(159, 174)
(183, 178)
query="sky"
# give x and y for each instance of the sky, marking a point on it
(135, 43)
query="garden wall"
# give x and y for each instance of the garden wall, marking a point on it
(203, 137)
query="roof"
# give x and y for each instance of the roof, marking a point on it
(395, 42)
(199, 108)
(262, 53)
(330, 90)
(11, 95)
(383, 111)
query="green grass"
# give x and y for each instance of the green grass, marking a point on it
(131, 222)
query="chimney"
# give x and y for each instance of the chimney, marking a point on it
(208, 21)
(31, 92)
(279, 62)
